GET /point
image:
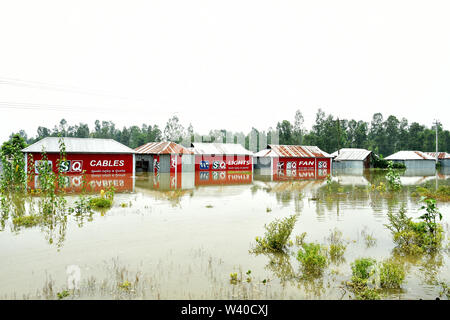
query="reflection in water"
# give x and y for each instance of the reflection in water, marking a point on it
(162, 225)
(91, 183)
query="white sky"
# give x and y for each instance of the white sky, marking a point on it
(221, 64)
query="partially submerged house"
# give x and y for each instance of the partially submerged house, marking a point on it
(413, 159)
(293, 161)
(164, 157)
(221, 157)
(443, 158)
(352, 158)
(83, 155)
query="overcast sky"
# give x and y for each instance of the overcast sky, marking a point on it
(221, 64)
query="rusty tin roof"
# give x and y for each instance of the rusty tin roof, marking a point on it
(276, 150)
(441, 155)
(162, 148)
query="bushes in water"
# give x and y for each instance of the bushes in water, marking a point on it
(105, 200)
(27, 220)
(313, 258)
(391, 274)
(415, 237)
(362, 269)
(276, 238)
(442, 193)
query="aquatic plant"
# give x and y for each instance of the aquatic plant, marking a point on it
(430, 215)
(362, 269)
(393, 178)
(415, 237)
(276, 237)
(313, 258)
(63, 294)
(26, 220)
(442, 193)
(337, 247)
(391, 274)
(105, 200)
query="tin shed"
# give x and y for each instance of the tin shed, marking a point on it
(413, 159)
(222, 157)
(83, 155)
(164, 157)
(352, 158)
(443, 158)
(305, 162)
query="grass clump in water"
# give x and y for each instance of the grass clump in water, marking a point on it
(27, 221)
(276, 238)
(362, 270)
(313, 258)
(337, 247)
(391, 274)
(104, 201)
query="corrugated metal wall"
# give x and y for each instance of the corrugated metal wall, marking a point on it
(164, 163)
(188, 163)
(418, 164)
(348, 164)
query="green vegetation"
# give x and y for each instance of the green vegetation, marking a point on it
(276, 238)
(126, 285)
(337, 247)
(441, 194)
(105, 200)
(382, 135)
(234, 278)
(27, 220)
(63, 294)
(362, 269)
(313, 258)
(415, 237)
(392, 274)
(393, 178)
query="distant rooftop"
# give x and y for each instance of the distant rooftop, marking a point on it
(219, 148)
(410, 155)
(350, 154)
(441, 155)
(162, 148)
(79, 145)
(276, 150)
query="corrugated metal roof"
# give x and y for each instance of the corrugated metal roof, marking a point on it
(219, 148)
(276, 150)
(441, 155)
(351, 154)
(162, 148)
(409, 155)
(79, 145)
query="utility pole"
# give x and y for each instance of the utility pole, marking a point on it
(436, 122)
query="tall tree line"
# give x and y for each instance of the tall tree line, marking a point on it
(329, 133)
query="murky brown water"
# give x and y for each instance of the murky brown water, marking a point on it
(184, 243)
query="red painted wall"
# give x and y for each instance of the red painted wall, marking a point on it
(302, 168)
(91, 163)
(223, 163)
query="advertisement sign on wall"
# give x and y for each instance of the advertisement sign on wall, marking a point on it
(88, 163)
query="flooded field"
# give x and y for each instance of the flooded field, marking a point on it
(184, 237)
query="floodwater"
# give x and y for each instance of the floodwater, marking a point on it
(181, 237)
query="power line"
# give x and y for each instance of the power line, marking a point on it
(56, 87)
(76, 108)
